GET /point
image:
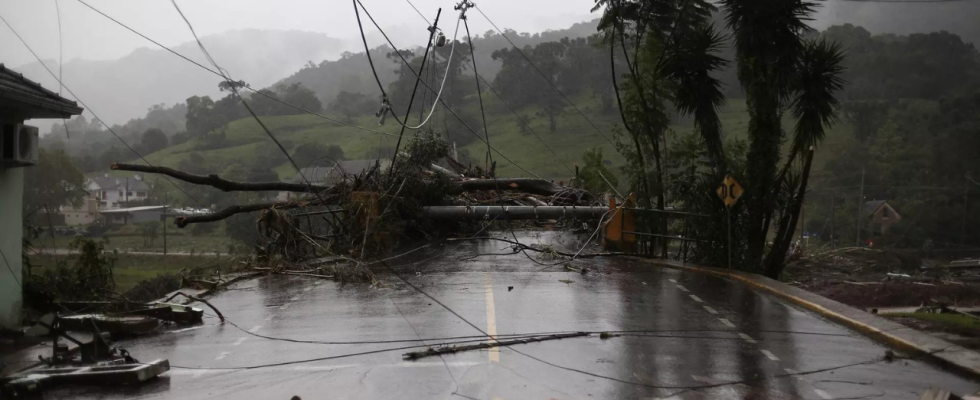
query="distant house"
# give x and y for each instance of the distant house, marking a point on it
(20, 99)
(84, 214)
(116, 192)
(879, 217)
(331, 175)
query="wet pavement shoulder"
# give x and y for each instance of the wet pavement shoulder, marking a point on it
(900, 337)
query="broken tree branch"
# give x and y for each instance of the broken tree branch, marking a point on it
(237, 209)
(415, 355)
(198, 299)
(523, 246)
(215, 181)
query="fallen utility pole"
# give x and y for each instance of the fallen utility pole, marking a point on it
(415, 355)
(513, 212)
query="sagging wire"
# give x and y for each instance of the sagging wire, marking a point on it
(386, 106)
(61, 62)
(543, 76)
(79, 100)
(682, 388)
(234, 87)
(443, 101)
(253, 91)
(519, 117)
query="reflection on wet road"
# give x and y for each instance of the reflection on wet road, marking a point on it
(674, 334)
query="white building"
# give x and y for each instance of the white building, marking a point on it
(115, 192)
(20, 99)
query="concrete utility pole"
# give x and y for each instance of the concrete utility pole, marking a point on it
(860, 208)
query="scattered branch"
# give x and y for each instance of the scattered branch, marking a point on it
(237, 209)
(415, 355)
(215, 181)
(523, 246)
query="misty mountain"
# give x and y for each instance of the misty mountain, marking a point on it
(958, 17)
(125, 88)
(351, 72)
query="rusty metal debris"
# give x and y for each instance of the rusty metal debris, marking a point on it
(112, 373)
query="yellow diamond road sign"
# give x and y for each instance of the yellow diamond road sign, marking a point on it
(729, 191)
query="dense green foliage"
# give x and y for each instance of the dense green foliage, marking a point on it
(54, 182)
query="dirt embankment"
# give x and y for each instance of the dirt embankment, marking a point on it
(872, 278)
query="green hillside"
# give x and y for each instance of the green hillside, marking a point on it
(245, 140)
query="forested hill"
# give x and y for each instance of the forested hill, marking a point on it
(351, 73)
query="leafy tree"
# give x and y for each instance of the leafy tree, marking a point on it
(921, 65)
(200, 119)
(594, 174)
(350, 104)
(153, 140)
(86, 275)
(669, 49)
(780, 69)
(52, 183)
(294, 94)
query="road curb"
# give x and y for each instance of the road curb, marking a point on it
(900, 337)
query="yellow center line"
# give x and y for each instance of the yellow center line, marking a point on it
(494, 354)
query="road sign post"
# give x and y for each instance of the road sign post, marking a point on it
(729, 192)
(728, 210)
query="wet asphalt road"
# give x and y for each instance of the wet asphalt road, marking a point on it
(693, 337)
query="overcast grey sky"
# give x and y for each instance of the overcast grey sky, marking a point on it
(88, 35)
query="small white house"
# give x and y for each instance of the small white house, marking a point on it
(116, 192)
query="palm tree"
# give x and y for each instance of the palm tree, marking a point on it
(669, 49)
(780, 69)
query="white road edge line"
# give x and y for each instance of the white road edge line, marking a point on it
(672, 280)
(823, 395)
(748, 339)
(769, 355)
(239, 341)
(711, 310)
(255, 329)
(697, 299)
(222, 355)
(727, 322)
(682, 288)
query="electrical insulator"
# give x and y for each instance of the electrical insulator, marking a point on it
(440, 40)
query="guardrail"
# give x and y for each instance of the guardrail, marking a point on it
(652, 232)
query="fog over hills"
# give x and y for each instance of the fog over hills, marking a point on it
(126, 87)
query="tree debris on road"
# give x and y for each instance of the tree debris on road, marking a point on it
(435, 351)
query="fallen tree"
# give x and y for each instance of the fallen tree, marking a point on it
(217, 182)
(371, 209)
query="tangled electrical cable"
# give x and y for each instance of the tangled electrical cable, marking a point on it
(386, 106)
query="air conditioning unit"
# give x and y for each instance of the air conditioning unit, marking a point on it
(18, 145)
